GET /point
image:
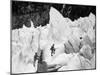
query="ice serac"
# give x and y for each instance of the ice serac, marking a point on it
(60, 27)
(86, 52)
(22, 50)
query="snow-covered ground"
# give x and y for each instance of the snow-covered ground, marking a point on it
(74, 43)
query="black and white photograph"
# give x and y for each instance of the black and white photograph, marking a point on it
(52, 37)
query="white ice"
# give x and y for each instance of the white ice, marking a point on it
(61, 32)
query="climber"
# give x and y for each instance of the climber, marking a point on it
(36, 57)
(52, 50)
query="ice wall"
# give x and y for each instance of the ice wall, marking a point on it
(74, 40)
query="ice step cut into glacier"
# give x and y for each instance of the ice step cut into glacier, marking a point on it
(65, 44)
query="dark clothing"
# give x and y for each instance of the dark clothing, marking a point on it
(52, 50)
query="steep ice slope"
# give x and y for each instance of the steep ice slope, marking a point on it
(22, 61)
(60, 28)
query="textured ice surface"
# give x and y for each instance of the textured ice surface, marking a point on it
(73, 42)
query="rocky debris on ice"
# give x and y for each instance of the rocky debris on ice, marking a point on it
(73, 43)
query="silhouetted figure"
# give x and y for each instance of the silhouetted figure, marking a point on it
(52, 50)
(36, 57)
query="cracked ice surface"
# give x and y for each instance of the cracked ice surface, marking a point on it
(22, 61)
(71, 52)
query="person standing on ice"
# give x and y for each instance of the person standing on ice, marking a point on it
(52, 50)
